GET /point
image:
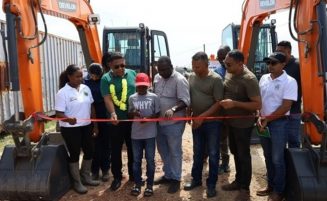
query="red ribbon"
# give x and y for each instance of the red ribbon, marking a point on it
(159, 119)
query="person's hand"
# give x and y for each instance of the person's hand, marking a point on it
(114, 118)
(227, 103)
(71, 120)
(262, 123)
(196, 123)
(189, 114)
(136, 113)
(169, 113)
(142, 122)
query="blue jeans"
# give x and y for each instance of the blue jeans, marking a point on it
(149, 146)
(274, 152)
(207, 134)
(169, 142)
(293, 131)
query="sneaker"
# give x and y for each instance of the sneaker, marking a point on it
(193, 184)
(136, 190)
(148, 191)
(174, 186)
(234, 186)
(162, 180)
(211, 192)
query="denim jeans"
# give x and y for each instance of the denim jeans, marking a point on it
(293, 131)
(207, 134)
(169, 142)
(239, 144)
(149, 146)
(274, 153)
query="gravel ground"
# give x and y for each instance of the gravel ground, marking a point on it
(102, 192)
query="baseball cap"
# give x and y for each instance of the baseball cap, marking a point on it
(142, 79)
(276, 56)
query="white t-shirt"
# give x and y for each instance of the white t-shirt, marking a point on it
(74, 103)
(274, 91)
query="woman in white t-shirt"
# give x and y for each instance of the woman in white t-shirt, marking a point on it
(73, 104)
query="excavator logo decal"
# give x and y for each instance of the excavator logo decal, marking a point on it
(267, 4)
(67, 6)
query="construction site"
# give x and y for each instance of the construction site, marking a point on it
(33, 155)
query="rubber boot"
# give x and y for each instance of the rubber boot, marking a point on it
(77, 184)
(86, 174)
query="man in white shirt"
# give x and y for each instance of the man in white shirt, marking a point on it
(278, 91)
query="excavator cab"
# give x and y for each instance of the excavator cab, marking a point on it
(140, 46)
(262, 46)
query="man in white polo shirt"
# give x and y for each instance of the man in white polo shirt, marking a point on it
(278, 91)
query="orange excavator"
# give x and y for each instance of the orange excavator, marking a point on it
(36, 168)
(306, 167)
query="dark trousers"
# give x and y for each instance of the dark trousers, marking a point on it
(239, 144)
(121, 133)
(102, 149)
(224, 146)
(77, 138)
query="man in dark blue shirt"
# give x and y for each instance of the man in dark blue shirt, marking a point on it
(292, 68)
(221, 70)
(101, 158)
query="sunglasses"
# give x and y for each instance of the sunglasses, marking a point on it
(119, 66)
(272, 62)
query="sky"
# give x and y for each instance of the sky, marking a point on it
(190, 25)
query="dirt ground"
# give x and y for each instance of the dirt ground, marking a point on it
(103, 193)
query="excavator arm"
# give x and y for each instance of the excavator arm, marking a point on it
(310, 25)
(23, 43)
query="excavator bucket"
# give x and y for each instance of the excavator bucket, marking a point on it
(306, 175)
(42, 177)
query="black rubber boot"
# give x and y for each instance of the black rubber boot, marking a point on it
(77, 184)
(86, 175)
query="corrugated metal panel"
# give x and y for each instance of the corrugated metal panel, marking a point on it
(56, 54)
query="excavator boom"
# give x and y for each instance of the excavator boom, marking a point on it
(306, 167)
(38, 171)
(24, 58)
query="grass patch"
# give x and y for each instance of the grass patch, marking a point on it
(50, 126)
(5, 140)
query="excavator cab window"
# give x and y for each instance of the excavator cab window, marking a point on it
(160, 48)
(128, 43)
(230, 36)
(266, 43)
(140, 46)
